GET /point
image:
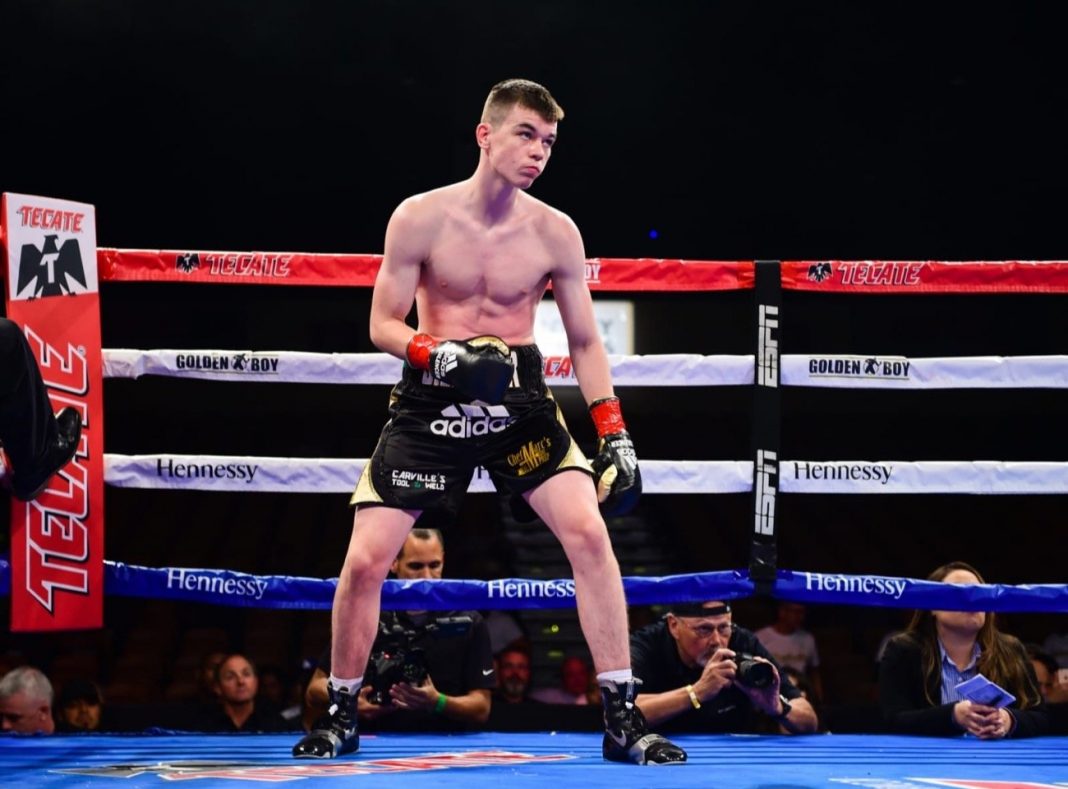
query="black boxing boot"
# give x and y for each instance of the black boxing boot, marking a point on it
(626, 735)
(334, 733)
(28, 483)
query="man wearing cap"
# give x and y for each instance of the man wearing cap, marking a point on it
(689, 664)
(79, 707)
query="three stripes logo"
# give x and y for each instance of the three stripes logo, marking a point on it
(444, 363)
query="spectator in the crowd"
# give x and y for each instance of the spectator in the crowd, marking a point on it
(689, 664)
(513, 677)
(207, 676)
(574, 684)
(26, 702)
(1046, 673)
(793, 646)
(79, 707)
(201, 691)
(1056, 644)
(36, 442)
(237, 708)
(460, 671)
(940, 649)
(281, 692)
(504, 631)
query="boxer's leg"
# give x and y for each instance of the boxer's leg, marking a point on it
(568, 504)
(378, 533)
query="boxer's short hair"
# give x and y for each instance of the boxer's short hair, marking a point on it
(505, 95)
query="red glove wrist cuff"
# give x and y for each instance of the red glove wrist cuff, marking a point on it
(607, 416)
(418, 351)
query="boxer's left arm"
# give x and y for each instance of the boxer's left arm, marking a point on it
(615, 468)
(572, 295)
(407, 239)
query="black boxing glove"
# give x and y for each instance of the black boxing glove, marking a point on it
(615, 468)
(479, 368)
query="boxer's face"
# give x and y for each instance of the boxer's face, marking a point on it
(519, 145)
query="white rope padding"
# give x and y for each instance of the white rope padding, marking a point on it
(928, 476)
(847, 371)
(854, 371)
(337, 475)
(379, 368)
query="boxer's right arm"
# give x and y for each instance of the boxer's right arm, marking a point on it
(480, 368)
(406, 245)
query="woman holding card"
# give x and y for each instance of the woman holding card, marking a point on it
(922, 668)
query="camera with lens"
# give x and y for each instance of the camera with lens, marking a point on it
(400, 652)
(753, 673)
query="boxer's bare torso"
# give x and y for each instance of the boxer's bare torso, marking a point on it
(476, 256)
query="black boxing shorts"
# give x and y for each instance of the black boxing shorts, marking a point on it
(433, 442)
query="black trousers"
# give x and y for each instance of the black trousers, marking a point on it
(27, 424)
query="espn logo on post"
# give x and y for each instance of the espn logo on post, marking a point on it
(766, 480)
(767, 361)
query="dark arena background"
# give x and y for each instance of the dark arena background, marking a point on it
(694, 130)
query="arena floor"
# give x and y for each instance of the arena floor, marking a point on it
(535, 760)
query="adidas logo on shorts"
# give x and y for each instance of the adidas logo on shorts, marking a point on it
(469, 421)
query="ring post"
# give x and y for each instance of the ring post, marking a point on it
(767, 402)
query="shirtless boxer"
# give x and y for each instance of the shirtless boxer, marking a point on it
(476, 258)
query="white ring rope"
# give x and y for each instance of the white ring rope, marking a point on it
(333, 475)
(379, 368)
(336, 475)
(852, 371)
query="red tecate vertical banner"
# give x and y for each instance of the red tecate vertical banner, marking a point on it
(57, 540)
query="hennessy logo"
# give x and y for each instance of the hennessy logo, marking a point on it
(51, 269)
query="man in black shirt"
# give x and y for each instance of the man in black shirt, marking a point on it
(688, 664)
(37, 442)
(456, 693)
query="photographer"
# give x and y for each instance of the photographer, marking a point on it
(457, 657)
(702, 673)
